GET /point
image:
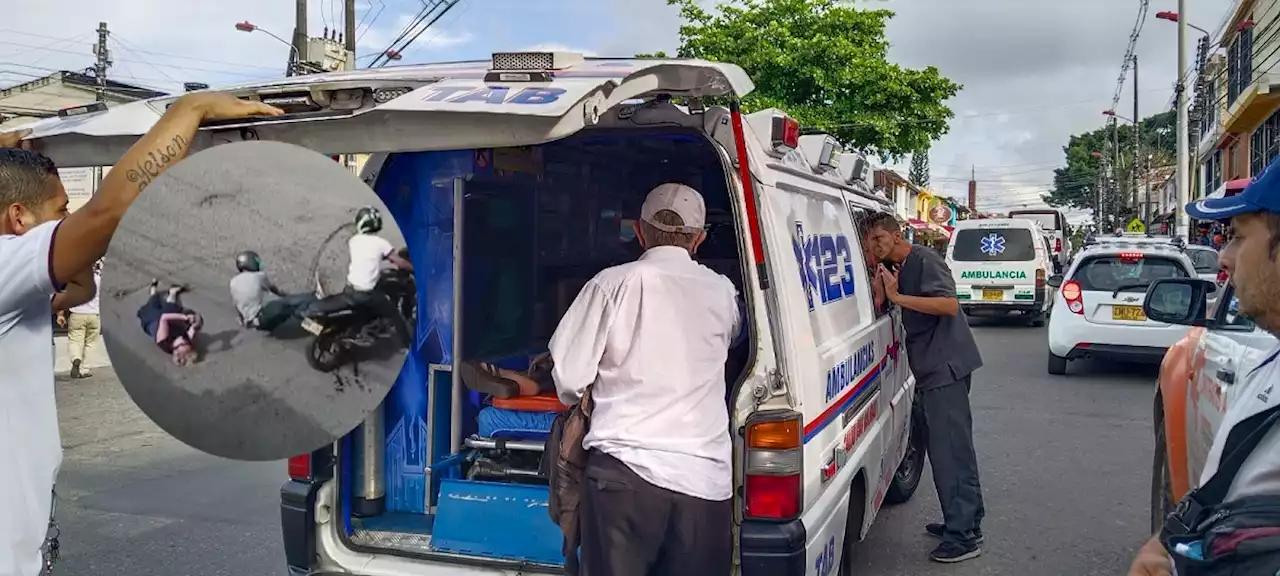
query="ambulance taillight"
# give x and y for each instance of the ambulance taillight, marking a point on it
(773, 486)
(300, 467)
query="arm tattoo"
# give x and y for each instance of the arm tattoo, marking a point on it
(157, 161)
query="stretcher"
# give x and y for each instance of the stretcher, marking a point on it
(511, 437)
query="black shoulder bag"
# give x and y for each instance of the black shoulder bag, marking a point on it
(1208, 537)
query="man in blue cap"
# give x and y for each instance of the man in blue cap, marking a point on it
(1252, 258)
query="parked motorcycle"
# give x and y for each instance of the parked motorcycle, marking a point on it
(345, 322)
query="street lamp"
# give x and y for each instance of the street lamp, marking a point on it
(1112, 113)
(247, 26)
(1173, 17)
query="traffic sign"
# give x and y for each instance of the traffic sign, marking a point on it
(1136, 226)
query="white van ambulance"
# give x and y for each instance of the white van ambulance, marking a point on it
(1000, 266)
(525, 172)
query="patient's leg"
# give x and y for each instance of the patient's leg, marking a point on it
(497, 382)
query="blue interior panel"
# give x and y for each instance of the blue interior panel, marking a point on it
(492, 520)
(499, 423)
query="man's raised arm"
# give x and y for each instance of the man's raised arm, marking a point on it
(83, 236)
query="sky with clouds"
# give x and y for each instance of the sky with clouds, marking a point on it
(1034, 71)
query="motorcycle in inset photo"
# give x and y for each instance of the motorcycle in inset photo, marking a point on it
(353, 321)
(347, 322)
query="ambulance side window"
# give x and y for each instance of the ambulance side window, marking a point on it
(861, 216)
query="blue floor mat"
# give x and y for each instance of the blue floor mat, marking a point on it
(500, 423)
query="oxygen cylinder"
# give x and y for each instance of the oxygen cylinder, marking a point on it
(368, 494)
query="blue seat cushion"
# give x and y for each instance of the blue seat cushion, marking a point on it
(500, 423)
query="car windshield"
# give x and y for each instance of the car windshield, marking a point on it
(1112, 272)
(1205, 261)
(993, 245)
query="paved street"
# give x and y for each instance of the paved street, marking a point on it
(1065, 465)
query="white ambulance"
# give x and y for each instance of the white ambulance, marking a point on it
(821, 396)
(1000, 266)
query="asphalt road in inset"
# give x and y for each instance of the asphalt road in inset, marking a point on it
(252, 396)
(1065, 461)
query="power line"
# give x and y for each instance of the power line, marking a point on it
(151, 52)
(1130, 51)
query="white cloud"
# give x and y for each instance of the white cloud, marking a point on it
(553, 47)
(380, 36)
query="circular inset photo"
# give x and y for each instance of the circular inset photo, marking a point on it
(259, 301)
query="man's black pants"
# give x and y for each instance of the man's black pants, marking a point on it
(632, 528)
(949, 425)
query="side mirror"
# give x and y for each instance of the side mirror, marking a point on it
(1054, 281)
(1180, 301)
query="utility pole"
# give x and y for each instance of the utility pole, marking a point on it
(349, 36)
(1137, 144)
(100, 67)
(1180, 224)
(103, 62)
(300, 38)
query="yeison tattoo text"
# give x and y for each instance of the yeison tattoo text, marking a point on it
(156, 161)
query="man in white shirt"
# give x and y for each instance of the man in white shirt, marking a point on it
(651, 338)
(368, 252)
(46, 260)
(84, 325)
(1252, 258)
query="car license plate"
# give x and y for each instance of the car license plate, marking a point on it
(990, 294)
(312, 326)
(1128, 313)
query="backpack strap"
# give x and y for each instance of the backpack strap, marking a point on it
(1241, 442)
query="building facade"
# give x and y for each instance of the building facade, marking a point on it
(44, 97)
(1240, 120)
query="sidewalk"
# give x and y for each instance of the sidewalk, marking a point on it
(97, 357)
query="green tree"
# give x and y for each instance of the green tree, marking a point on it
(825, 63)
(1075, 184)
(919, 174)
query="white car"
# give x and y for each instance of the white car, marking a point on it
(1000, 266)
(1098, 302)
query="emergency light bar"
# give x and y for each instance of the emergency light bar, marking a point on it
(529, 66)
(821, 150)
(82, 110)
(853, 167)
(785, 133)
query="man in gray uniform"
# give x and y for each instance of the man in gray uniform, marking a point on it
(943, 356)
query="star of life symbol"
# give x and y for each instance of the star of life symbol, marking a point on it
(993, 245)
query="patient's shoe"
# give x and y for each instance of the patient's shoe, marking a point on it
(485, 379)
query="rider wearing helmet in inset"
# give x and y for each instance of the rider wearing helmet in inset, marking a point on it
(368, 252)
(259, 303)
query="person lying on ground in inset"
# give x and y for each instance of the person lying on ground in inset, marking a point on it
(172, 325)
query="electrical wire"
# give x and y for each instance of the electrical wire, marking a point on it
(1130, 51)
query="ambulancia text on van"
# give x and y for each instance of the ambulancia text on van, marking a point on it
(514, 181)
(1000, 266)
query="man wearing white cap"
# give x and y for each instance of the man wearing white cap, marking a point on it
(651, 338)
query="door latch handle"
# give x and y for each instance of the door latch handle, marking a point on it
(1227, 376)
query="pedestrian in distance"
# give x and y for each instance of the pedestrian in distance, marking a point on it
(1236, 476)
(84, 326)
(647, 341)
(943, 356)
(46, 264)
